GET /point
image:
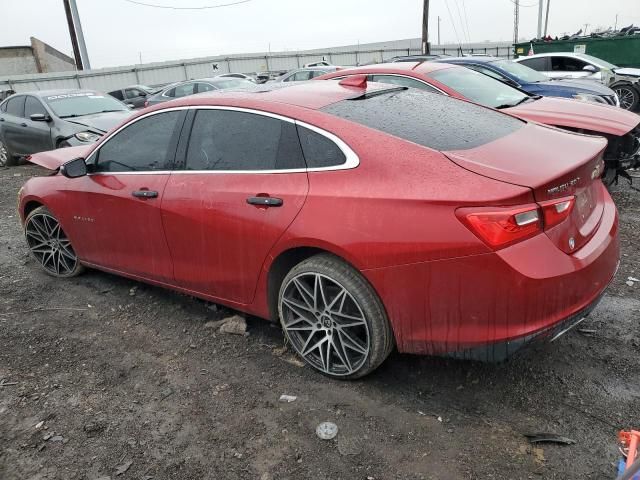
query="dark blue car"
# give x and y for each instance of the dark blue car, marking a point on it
(535, 83)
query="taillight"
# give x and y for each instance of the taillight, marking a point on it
(556, 211)
(500, 227)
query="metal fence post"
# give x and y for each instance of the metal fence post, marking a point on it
(135, 71)
(78, 81)
(184, 67)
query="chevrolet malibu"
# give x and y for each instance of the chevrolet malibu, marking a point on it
(345, 213)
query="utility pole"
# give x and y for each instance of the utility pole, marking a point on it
(540, 5)
(546, 20)
(425, 27)
(516, 20)
(72, 34)
(77, 37)
(439, 30)
(615, 27)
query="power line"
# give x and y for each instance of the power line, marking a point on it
(453, 24)
(466, 19)
(206, 7)
(464, 33)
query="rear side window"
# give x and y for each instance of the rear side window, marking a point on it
(145, 145)
(539, 63)
(232, 140)
(184, 90)
(15, 106)
(403, 81)
(318, 150)
(117, 94)
(428, 119)
(33, 106)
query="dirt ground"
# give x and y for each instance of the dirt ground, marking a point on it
(115, 373)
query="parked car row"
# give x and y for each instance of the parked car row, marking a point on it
(372, 208)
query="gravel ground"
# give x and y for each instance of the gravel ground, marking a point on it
(102, 377)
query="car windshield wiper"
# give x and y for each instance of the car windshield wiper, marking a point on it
(107, 111)
(69, 116)
(375, 93)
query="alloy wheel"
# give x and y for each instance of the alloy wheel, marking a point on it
(4, 154)
(626, 96)
(49, 244)
(325, 324)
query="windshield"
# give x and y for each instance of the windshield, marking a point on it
(521, 72)
(597, 61)
(84, 103)
(479, 88)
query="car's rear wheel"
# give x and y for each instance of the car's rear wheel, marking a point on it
(49, 244)
(628, 96)
(6, 157)
(333, 318)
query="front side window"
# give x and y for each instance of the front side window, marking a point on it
(33, 106)
(144, 145)
(299, 76)
(319, 151)
(133, 93)
(117, 94)
(567, 64)
(403, 82)
(69, 105)
(204, 87)
(15, 106)
(232, 140)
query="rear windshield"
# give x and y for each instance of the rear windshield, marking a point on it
(428, 119)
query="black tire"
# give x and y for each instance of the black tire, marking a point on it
(359, 320)
(49, 245)
(628, 95)
(7, 159)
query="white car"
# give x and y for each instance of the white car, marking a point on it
(624, 81)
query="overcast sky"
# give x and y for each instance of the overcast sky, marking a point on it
(118, 32)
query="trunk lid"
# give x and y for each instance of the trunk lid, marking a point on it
(555, 165)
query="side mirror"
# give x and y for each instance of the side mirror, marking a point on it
(74, 168)
(131, 105)
(590, 68)
(143, 94)
(40, 117)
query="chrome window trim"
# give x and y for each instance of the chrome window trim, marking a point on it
(351, 158)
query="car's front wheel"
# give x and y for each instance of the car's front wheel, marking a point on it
(49, 244)
(333, 318)
(629, 97)
(6, 157)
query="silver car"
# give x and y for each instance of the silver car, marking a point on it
(624, 81)
(191, 87)
(302, 74)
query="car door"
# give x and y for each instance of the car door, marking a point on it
(38, 133)
(241, 183)
(116, 222)
(567, 67)
(135, 96)
(13, 124)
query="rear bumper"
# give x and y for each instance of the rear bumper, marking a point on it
(503, 300)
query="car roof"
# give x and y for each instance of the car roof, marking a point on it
(311, 94)
(61, 91)
(478, 59)
(422, 67)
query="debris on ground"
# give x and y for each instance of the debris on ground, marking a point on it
(4, 383)
(235, 325)
(587, 331)
(39, 425)
(123, 468)
(549, 438)
(327, 430)
(349, 446)
(287, 398)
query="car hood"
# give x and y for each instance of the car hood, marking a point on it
(101, 122)
(54, 158)
(627, 72)
(563, 112)
(586, 86)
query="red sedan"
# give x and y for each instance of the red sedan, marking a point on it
(344, 211)
(620, 127)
